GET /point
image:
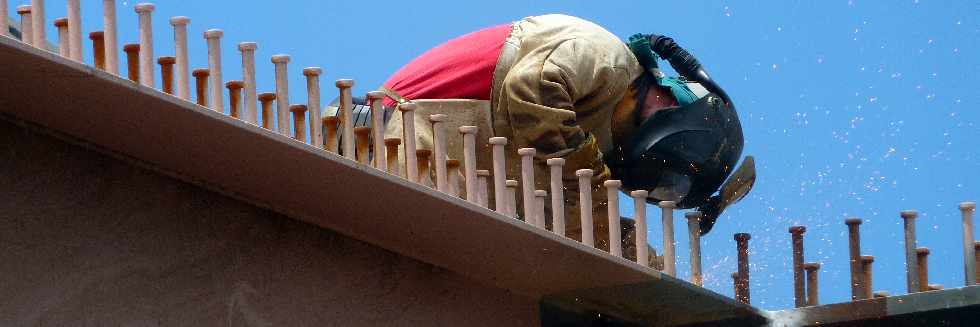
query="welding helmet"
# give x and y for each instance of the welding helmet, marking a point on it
(684, 153)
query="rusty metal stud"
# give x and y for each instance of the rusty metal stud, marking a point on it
(866, 262)
(299, 121)
(694, 239)
(363, 136)
(742, 284)
(132, 61)
(201, 85)
(911, 268)
(854, 250)
(98, 49)
(922, 261)
(61, 24)
(391, 153)
(799, 291)
(167, 73)
(266, 99)
(812, 290)
(969, 254)
(235, 98)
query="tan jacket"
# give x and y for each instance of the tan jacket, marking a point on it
(555, 86)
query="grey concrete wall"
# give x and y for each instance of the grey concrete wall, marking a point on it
(90, 240)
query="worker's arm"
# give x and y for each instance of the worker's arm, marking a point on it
(547, 100)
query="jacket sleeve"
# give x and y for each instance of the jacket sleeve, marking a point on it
(542, 100)
(544, 105)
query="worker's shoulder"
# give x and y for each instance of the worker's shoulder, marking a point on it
(575, 39)
(565, 24)
(564, 27)
(560, 19)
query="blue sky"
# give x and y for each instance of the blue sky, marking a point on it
(851, 108)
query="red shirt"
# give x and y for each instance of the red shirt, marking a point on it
(461, 68)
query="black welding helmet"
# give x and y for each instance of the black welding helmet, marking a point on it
(685, 153)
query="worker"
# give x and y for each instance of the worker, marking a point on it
(570, 89)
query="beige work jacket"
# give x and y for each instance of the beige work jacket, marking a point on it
(555, 86)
